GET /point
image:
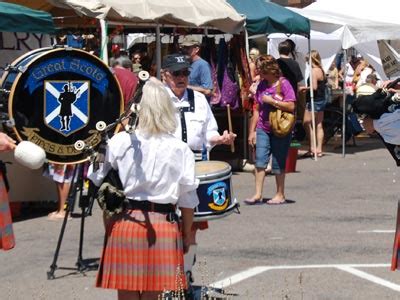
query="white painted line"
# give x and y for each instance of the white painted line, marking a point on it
(376, 231)
(371, 278)
(239, 277)
(224, 283)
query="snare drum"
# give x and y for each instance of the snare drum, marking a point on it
(214, 191)
(57, 96)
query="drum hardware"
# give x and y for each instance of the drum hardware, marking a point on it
(83, 191)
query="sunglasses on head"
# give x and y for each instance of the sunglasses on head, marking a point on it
(180, 73)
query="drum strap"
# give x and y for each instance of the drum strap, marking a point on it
(182, 111)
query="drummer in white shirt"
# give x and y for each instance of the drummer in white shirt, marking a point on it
(143, 250)
(196, 123)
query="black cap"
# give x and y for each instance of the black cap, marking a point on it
(175, 62)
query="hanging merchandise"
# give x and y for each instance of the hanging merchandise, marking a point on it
(243, 70)
(209, 53)
(230, 87)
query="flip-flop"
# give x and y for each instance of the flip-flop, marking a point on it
(54, 216)
(253, 202)
(276, 203)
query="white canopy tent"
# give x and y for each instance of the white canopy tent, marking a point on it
(353, 29)
(328, 45)
(216, 14)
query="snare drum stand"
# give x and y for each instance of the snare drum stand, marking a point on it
(86, 201)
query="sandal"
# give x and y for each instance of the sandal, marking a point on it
(253, 201)
(320, 154)
(308, 154)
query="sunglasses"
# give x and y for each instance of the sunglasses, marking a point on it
(180, 73)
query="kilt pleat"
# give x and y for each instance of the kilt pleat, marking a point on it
(142, 252)
(7, 240)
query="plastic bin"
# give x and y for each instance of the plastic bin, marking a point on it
(291, 159)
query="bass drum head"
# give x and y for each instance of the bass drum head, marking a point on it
(58, 97)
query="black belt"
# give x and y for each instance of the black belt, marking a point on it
(150, 206)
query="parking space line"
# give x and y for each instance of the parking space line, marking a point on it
(239, 277)
(371, 278)
(231, 280)
(376, 231)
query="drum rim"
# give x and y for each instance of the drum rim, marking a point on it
(209, 216)
(19, 59)
(210, 176)
(18, 77)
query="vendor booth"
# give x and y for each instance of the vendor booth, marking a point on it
(21, 30)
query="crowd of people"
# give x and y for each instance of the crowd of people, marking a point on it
(177, 128)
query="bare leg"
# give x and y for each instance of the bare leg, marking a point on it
(259, 182)
(280, 189)
(62, 193)
(320, 131)
(63, 190)
(128, 295)
(307, 123)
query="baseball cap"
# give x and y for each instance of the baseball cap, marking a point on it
(189, 41)
(175, 62)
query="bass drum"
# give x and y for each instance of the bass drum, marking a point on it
(57, 96)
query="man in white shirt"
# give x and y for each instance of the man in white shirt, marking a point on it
(196, 123)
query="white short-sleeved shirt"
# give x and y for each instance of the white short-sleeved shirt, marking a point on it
(201, 124)
(388, 126)
(160, 169)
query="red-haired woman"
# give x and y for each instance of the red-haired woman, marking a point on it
(268, 97)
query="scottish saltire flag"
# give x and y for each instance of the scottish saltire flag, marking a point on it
(66, 105)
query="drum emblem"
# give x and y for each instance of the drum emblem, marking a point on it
(219, 196)
(66, 105)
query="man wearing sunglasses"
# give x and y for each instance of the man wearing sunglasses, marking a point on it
(196, 123)
(200, 70)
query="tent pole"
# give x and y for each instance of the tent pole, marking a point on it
(344, 106)
(104, 41)
(158, 51)
(246, 41)
(313, 131)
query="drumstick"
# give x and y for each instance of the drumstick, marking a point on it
(228, 109)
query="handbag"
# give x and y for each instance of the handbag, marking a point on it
(281, 122)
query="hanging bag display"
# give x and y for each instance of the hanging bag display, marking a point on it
(281, 122)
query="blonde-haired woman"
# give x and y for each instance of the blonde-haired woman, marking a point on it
(254, 53)
(320, 101)
(261, 136)
(143, 252)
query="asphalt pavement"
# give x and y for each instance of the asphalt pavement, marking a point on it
(333, 241)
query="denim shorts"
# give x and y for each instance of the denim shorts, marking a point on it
(267, 144)
(319, 105)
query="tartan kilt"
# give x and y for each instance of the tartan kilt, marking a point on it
(7, 240)
(142, 252)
